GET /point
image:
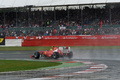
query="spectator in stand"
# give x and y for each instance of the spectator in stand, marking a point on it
(91, 17)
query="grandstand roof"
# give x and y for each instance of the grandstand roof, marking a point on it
(22, 3)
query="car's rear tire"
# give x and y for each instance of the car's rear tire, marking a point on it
(37, 55)
(55, 55)
(70, 54)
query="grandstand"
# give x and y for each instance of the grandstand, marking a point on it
(59, 17)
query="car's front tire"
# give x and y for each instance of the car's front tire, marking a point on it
(36, 55)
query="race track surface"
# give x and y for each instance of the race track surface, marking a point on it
(109, 57)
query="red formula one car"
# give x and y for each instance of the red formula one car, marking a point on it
(54, 53)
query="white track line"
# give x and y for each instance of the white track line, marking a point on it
(39, 79)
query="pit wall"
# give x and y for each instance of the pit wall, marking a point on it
(82, 40)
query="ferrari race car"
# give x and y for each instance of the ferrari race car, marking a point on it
(54, 53)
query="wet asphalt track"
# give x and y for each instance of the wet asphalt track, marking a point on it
(15, 54)
(110, 57)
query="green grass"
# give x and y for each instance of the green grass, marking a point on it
(18, 65)
(23, 48)
(48, 47)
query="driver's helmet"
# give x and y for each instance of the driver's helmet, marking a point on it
(52, 46)
(50, 49)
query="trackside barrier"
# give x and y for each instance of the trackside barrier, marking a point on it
(71, 42)
(82, 40)
(13, 42)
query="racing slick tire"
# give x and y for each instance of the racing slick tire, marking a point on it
(70, 54)
(55, 55)
(36, 55)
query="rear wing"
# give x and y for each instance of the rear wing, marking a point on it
(64, 49)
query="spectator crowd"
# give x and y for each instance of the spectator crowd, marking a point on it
(88, 21)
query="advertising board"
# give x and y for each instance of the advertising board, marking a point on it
(2, 40)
